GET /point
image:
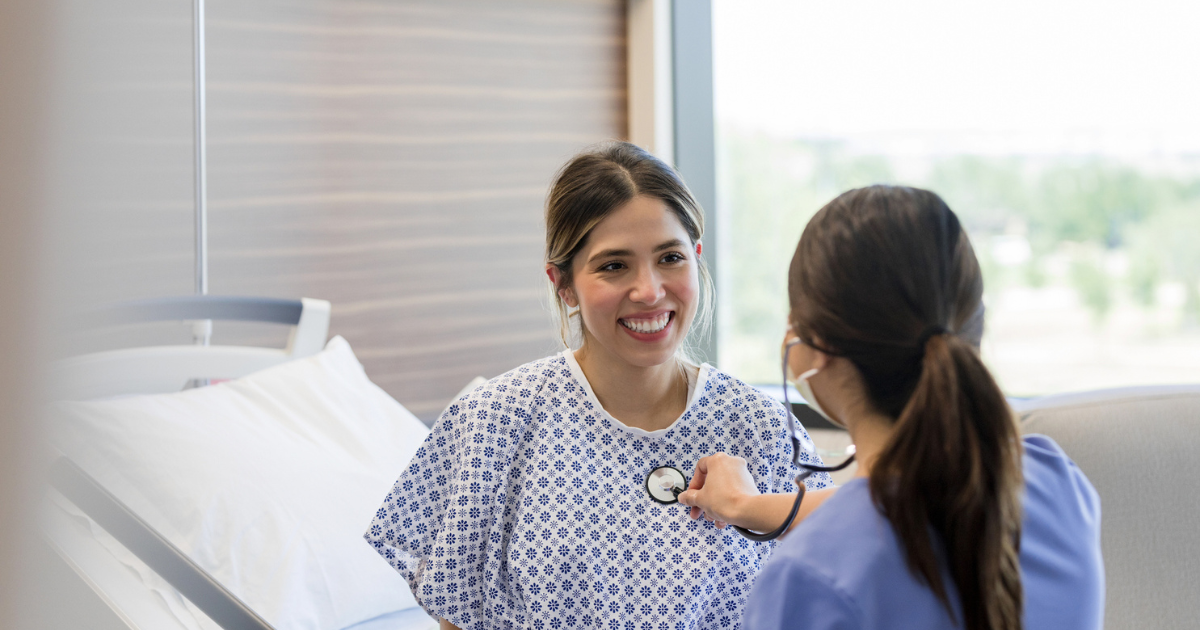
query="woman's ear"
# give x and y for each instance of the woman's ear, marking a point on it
(820, 359)
(564, 293)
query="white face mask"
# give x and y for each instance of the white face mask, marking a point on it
(802, 385)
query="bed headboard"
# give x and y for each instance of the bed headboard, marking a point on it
(161, 369)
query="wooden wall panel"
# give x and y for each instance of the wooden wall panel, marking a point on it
(393, 157)
(118, 165)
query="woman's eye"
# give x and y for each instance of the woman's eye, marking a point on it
(673, 257)
(611, 266)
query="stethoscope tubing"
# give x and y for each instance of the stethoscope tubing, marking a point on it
(809, 469)
(800, 488)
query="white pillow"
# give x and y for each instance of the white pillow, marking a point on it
(267, 482)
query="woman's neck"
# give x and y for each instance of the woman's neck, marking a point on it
(647, 398)
(870, 431)
(843, 394)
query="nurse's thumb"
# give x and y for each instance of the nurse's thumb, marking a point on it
(689, 499)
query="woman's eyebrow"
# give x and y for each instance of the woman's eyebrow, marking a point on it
(611, 253)
(618, 253)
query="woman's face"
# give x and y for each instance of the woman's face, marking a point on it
(636, 282)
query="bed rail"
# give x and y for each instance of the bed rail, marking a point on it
(162, 369)
(201, 307)
(222, 606)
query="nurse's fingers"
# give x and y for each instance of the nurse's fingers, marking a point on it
(718, 485)
(700, 474)
(690, 496)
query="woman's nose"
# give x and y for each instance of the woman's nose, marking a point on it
(648, 287)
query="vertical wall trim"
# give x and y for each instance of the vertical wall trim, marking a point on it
(650, 82)
(695, 133)
(202, 331)
(201, 147)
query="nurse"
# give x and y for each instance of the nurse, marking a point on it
(954, 519)
(530, 505)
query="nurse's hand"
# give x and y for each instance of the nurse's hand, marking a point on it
(723, 491)
(720, 489)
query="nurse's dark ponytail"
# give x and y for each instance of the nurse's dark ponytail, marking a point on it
(885, 277)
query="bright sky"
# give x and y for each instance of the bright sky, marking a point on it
(1119, 77)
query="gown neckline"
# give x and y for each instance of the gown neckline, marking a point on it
(697, 378)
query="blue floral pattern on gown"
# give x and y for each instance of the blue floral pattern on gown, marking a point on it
(527, 508)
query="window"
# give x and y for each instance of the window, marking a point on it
(1065, 135)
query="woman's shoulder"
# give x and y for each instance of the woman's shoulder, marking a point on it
(1060, 528)
(733, 399)
(721, 386)
(528, 378)
(536, 371)
(508, 398)
(1056, 490)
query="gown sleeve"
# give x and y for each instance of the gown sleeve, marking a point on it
(777, 472)
(442, 526)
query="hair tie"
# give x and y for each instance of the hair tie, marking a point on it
(929, 333)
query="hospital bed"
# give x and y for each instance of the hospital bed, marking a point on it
(234, 505)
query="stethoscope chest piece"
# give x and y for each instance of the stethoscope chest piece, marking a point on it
(665, 483)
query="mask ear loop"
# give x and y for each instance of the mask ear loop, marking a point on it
(808, 469)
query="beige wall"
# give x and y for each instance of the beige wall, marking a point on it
(393, 157)
(389, 156)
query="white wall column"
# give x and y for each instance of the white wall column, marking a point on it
(651, 77)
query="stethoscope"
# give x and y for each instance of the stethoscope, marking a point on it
(665, 483)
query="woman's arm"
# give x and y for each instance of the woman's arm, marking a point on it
(446, 625)
(723, 491)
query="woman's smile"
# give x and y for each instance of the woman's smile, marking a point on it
(636, 284)
(648, 326)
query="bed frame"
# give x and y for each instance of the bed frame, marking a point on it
(162, 369)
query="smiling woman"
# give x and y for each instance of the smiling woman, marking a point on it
(634, 194)
(528, 505)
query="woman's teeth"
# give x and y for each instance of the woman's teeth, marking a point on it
(648, 326)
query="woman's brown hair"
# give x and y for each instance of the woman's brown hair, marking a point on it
(885, 277)
(590, 187)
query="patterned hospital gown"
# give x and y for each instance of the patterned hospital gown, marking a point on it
(527, 507)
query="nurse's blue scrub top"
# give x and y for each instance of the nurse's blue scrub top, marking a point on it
(843, 566)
